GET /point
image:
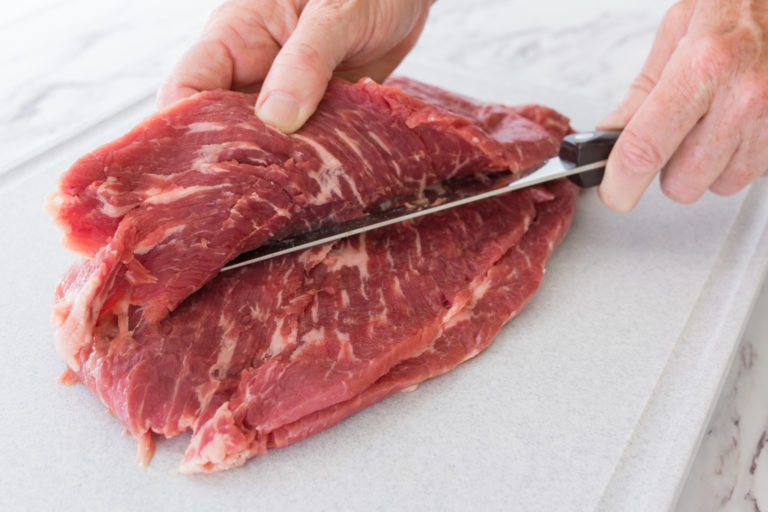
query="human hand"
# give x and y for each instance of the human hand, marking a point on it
(294, 47)
(698, 109)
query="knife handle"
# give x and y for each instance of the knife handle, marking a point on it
(585, 148)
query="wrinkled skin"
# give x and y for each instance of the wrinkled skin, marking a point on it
(698, 111)
(294, 47)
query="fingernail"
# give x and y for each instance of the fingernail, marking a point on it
(279, 110)
(612, 121)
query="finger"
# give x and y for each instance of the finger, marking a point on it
(380, 65)
(704, 154)
(750, 108)
(380, 68)
(300, 73)
(748, 164)
(206, 65)
(682, 96)
(671, 30)
(235, 50)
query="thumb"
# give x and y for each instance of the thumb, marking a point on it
(672, 29)
(301, 70)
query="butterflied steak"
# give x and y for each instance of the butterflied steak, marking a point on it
(268, 354)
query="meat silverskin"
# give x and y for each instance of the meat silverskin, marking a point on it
(263, 356)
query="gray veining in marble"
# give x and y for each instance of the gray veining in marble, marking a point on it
(96, 57)
(74, 63)
(730, 472)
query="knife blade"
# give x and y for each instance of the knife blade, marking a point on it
(582, 159)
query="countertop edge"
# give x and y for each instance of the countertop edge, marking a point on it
(737, 273)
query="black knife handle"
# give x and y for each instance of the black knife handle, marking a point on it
(585, 148)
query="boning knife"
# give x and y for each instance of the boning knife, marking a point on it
(582, 160)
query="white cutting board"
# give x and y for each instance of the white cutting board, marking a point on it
(594, 397)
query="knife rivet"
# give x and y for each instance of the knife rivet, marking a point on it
(581, 137)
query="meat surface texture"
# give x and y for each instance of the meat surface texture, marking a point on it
(266, 355)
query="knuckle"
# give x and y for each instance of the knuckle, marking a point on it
(725, 187)
(733, 180)
(222, 12)
(337, 8)
(676, 14)
(637, 154)
(712, 57)
(751, 97)
(710, 63)
(302, 57)
(644, 83)
(335, 4)
(679, 190)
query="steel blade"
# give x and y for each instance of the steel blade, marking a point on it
(551, 170)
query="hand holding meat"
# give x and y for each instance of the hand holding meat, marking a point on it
(697, 112)
(294, 47)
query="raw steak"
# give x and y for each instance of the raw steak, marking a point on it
(161, 209)
(268, 354)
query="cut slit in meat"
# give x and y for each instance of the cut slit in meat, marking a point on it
(164, 207)
(486, 299)
(268, 354)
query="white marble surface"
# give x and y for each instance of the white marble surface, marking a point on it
(97, 57)
(71, 64)
(730, 472)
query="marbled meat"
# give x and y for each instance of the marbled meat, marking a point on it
(268, 354)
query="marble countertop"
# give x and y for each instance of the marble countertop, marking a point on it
(98, 57)
(74, 64)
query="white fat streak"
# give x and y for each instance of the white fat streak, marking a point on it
(398, 170)
(460, 311)
(351, 143)
(206, 126)
(313, 336)
(76, 315)
(329, 175)
(227, 346)
(309, 258)
(279, 212)
(111, 210)
(279, 341)
(398, 288)
(315, 310)
(379, 142)
(346, 350)
(479, 291)
(248, 126)
(142, 248)
(176, 193)
(345, 298)
(216, 450)
(309, 339)
(422, 183)
(108, 209)
(418, 242)
(348, 256)
(208, 155)
(72, 334)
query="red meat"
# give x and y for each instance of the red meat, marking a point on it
(268, 354)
